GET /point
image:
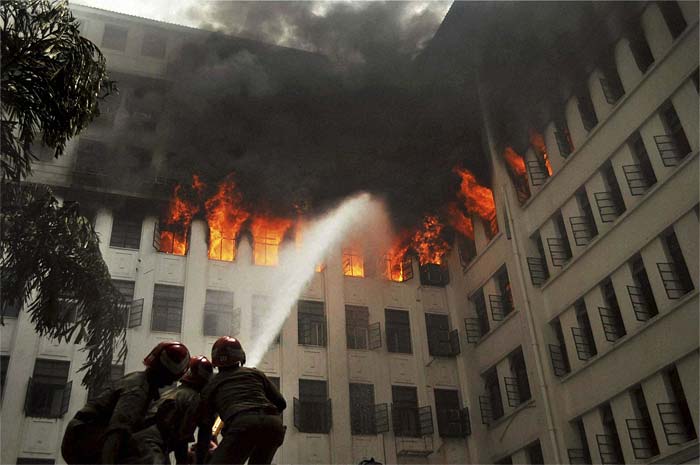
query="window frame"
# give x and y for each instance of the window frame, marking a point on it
(167, 308)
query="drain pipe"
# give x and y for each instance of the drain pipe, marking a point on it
(551, 429)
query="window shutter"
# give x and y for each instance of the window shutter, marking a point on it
(425, 419)
(454, 342)
(381, 418)
(375, 335)
(28, 398)
(65, 401)
(297, 414)
(407, 268)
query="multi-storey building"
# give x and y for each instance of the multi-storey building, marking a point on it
(567, 334)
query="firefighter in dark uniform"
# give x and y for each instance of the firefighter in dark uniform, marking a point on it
(248, 403)
(175, 417)
(101, 432)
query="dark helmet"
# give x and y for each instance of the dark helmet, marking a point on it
(227, 352)
(169, 356)
(199, 372)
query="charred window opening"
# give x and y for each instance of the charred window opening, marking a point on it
(640, 49)
(517, 385)
(505, 291)
(172, 240)
(92, 160)
(398, 268)
(493, 395)
(311, 323)
(48, 390)
(432, 274)
(467, 250)
(561, 133)
(673, 15)
(114, 37)
(398, 331)
(452, 419)
(266, 243)
(353, 262)
(613, 89)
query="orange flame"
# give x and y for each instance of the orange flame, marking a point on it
(396, 267)
(537, 142)
(353, 262)
(515, 162)
(267, 236)
(459, 221)
(477, 199)
(225, 216)
(181, 210)
(428, 242)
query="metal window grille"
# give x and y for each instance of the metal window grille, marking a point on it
(642, 438)
(485, 409)
(362, 409)
(398, 331)
(582, 230)
(311, 323)
(312, 416)
(472, 328)
(441, 341)
(434, 275)
(405, 421)
(48, 390)
(452, 420)
(381, 417)
(560, 363)
(643, 308)
(357, 326)
(608, 206)
(167, 308)
(637, 180)
(537, 173)
(613, 326)
(585, 350)
(559, 250)
(497, 310)
(512, 391)
(579, 456)
(519, 371)
(493, 390)
(563, 137)
(167, 241)
(353, 263)
(504, 288)
(480, 310)
(126, 232)
(674, 423)
(668, 150)
(539, 273)
(609, 448)
(675, 283)
(135, 313)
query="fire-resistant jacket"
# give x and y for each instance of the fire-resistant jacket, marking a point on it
(122, 407)
(233, 391)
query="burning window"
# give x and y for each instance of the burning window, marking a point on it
(225, 216)
(541, 155)
(267, 236)
(398, 268)
(172, 242)
(170, 234)
(478, 200)
(518, 173)
(353, 263)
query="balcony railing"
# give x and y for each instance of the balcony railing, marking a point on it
(644, 308)
(583, 230)
(434, 275)
(539, 273)
(644, 445)
(560, 361)
(497, 304)
(674, 422)
(472, 328)
(608, 206)
(613, 326)
(637, 181)
(675, 279)
(538, 173)
(512, 391)
(486, 411)
(579, 456)
(559, 250)
(668, 150)
(584, 347)
(609, 448)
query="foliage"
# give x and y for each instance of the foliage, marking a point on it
(52, 79)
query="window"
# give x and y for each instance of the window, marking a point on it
(640, 429)
(673, 16)
(153, 45)
(362, 418)
(558, 352)
(116, 373)
(675, 415)
(398, 269)
(674, 129)
(312, 411)
(453, 421)
(404, 411)
(92, 156)
(267, 236)
(114, 37)
(48, 391)
(167, 308)
(508, 460)
(640, 49)
(480, 308)
(493, 395)
(583, 334)
(583, 227)
(517, 387)
(125, 288)
(312, 323)
(171, 239)
(641, 294)
(580, 454)
(356, 324)
(506, 293)
(10, 309)
(220, 318)
(609, 442)
(539, 272)
(610, 315)
(260, 312)
(559, 246)
(126, 231)
(467, 250)
(353, 263)
(534, 453)
(563, 137)
(441, 342)
(4, 363)
(586, 109)
(610, 82)
(674, 274)
(640, 176)
(610, 202)
(398, 331)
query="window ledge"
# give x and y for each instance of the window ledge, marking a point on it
(530, 403)
(478, 256)
(619, 104)
(682, 453)
(630, 336)
(496, 327)
(114, 247)
(620, 220)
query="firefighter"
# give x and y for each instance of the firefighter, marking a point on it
(101, 432)
(248, 403)
(175, 417)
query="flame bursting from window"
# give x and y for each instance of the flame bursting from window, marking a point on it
(353, 262)
(478, 199)
(515, 162)
(182, 207)
(268, 233)
(459, 221)
(397, 266)
(428, 241)
(225, 217)
(537, 142)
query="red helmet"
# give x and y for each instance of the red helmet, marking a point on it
(227, 351)
(171, 356)
(200, 371)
